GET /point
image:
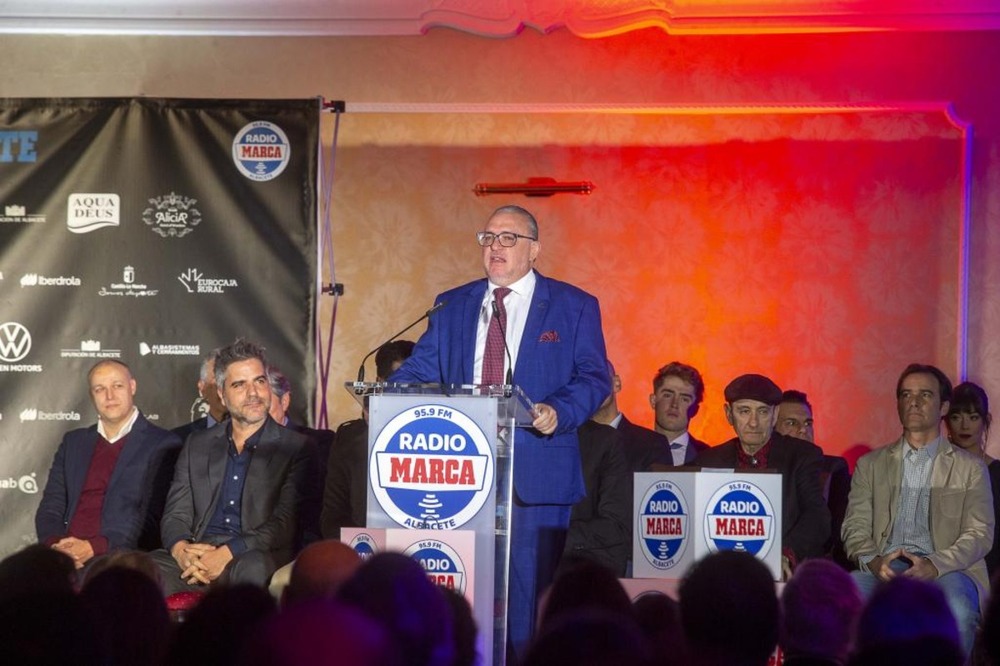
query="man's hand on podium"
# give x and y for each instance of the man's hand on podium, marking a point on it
(546, 419)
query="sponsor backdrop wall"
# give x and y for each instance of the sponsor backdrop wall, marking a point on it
(150, 231)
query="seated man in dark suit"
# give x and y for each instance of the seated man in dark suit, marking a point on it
(600, 523)
(751, 402)
(641, 446)
(281, 400)
(101, 494)
(345, 494)
(795, 419)
(208, 401)
(236, 499)
(678, 391)
(322, 439)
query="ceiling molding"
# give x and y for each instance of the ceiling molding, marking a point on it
(493, 18)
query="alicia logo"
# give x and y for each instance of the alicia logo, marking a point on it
(740, 517)
(663, 524)
(172, 215)
(431, 467)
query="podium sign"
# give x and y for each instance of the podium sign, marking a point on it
(680, 517)
(439, 472)
(448, 556)
(365, 541)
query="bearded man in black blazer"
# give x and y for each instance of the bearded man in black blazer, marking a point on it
(233, 512)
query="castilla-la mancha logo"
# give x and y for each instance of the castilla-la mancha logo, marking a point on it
(172, 215)
(431, 467)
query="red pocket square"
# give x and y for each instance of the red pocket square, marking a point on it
(549, 336)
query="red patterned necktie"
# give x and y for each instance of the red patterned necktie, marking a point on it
(493, 358)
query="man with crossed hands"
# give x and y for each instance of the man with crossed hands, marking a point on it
(232, 515)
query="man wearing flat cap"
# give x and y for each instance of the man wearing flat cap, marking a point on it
(751, 408)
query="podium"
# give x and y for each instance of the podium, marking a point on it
(679, 517)
(440, 462)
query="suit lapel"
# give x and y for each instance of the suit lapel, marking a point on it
(891, 473)
(944, 461)
(533, 325)
(77, 471)
(132, 448)
(216, 464)
(258, 473)
(691, 452)
(469, 327)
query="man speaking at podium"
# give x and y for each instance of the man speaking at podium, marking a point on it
(517, 326)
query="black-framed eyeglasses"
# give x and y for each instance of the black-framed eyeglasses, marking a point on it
(506, 238)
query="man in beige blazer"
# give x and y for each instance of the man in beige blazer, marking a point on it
(922, 508)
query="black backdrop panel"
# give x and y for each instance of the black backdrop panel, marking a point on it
(152, 231)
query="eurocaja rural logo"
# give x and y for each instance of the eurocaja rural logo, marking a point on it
(440, 562)
(663, 524)
(740, 517)
(431, 468)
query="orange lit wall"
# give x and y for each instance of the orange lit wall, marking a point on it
(800, 245)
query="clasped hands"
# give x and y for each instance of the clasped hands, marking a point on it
(200, 563)
(920, 569)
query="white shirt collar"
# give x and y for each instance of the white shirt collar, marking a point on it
(125, 429)
(525, 286)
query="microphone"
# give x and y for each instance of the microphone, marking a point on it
(361, 370)
(510, 361)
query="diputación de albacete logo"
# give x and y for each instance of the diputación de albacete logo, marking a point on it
(663, 524)
(431, 467)
(740, 517)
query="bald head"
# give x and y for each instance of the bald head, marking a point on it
(320, 570)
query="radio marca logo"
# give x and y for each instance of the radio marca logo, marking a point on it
(740, 517)
(441, 563)
(364, 545)
(261, 151)
(431, 468)
(663, 524)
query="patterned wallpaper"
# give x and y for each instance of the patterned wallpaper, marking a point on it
(800, 246)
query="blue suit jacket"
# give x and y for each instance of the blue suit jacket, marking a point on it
(132, 503)
(561, 362)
